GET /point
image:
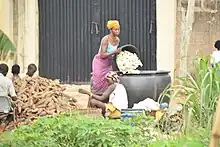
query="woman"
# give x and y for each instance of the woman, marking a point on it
(102, 62)
(115, 96)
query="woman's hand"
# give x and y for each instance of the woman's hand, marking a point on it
(118, 51)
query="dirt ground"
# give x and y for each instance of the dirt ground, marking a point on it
(82, 99)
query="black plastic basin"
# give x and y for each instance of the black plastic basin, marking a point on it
(128, 47)
(147, 84)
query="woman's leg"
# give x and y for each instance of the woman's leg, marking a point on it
(98, 104)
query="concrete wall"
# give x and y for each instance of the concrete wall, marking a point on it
(19, 20)
(166, 32)
(6, 17)
(31, 45)
(6, 21)
(205, 31)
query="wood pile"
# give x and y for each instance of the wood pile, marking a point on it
(171, 122)
(39, 96)
(215, 135)
(92, 112)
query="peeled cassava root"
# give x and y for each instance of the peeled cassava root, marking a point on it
(39, 96)
(128, 62)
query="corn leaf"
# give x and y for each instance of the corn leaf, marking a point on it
(7, 48)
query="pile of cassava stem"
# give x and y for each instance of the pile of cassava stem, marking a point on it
(39, 96)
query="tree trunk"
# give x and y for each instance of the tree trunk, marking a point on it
(186, 29)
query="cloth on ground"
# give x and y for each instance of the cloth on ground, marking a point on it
(147, 104)
(112, 111)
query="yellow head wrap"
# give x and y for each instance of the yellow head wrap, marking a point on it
(113, 24)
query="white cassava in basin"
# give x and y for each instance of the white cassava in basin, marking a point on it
(128, 62)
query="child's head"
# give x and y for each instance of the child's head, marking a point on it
(217, 44)
(4, 69)
(32, 68)
(15, 69)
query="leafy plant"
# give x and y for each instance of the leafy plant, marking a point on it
(196, 138)
(74, 130)
(200, 90)
(147, 126)
(7, 48)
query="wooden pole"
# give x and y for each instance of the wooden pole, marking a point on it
(186, 29)
(21, 33)
(216, 127)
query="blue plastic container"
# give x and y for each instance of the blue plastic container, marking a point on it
(130, 113)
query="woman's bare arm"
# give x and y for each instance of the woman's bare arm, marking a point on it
(118, 39)
(104, 46)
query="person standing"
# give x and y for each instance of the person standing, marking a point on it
(102, 62)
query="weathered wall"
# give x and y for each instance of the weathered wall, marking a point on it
(31, 44)
(205, 31)
(6, 17)
(19, 20)
(6, 20)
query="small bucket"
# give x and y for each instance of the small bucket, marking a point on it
(130, 113)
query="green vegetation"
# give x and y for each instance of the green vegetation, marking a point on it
(7, 48)
(200, 91)
(67, 130)
(73, 130)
